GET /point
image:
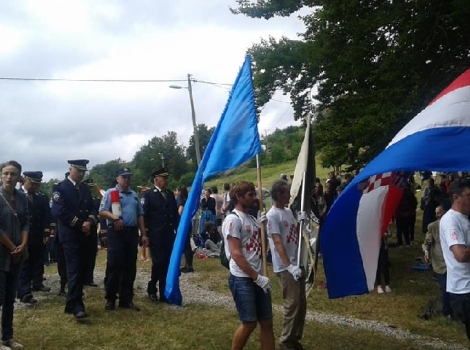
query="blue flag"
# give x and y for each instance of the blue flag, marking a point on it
(235, 140)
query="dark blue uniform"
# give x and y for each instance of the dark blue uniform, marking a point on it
(161, 221)
(92, 249)
(32, 270)
(72, 206)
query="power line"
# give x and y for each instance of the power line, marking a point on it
(96, 80)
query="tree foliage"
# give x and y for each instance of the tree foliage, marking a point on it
(374, 65)
(205, 135)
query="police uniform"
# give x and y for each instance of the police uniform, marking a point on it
(32, 270)
(72, 206)
(91, 242)
(161, 221)
(121, 265)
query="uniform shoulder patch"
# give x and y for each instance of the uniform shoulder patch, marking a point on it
(56, 196)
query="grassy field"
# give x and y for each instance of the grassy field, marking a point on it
(199, 326)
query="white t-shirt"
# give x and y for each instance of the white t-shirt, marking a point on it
(455, 229)
(282, 222)
(245, 228)
(219, 201)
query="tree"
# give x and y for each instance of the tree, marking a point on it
(375, 64)
(148, 158)
(104, 175)
(205, 135)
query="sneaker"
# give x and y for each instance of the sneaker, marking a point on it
(187, 269)
(13, 345)
(380, 290)
(388, 289)
(28, 299)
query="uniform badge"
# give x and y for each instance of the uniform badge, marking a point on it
(454, 235)
(56, 196)
(142, 201)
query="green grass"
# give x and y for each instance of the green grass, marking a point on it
(199, 326)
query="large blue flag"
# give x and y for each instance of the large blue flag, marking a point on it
(235, 140)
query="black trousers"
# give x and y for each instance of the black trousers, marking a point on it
(121, 267)
(61, 265)
(460, 304)
(75, 253)
(90, 258)
(161, 246)
(32, 270)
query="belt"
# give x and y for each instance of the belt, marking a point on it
(125, 227)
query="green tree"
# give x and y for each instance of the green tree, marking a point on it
(104, 175)
(375, 64)
(205, 135)
(148, 158)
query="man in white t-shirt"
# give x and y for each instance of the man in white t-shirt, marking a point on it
(455, 243)
(225, 210)
(250, 289)
(283, 240)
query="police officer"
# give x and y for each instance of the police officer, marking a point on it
(32, 270)
(161, 220)
(123, 236)
(73, 207)
(92, 242)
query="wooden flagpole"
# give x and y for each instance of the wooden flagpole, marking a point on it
(261, 209)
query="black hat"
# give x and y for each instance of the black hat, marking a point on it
(160, 172)
(33, 176)
(89, 182)
(123, 172)
(79, 164)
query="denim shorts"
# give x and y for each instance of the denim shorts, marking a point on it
(252, 303)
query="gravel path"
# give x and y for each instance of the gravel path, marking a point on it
(195, 294)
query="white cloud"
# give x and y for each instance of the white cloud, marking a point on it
(47, 123)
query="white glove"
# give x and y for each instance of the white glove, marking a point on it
(295, 271)
(262, 218)
(264, 283)
(301, 216)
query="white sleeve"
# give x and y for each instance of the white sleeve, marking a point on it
(273, 226)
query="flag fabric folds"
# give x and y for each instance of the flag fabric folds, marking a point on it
(234, 141)
(304, 175)
(434, 140)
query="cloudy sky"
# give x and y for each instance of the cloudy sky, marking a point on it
(46, 123)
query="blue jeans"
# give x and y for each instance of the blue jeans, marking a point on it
(8, 285)
(252, 303)
(445, 296)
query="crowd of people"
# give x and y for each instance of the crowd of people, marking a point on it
(122, 220)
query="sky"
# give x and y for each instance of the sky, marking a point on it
(46, 123)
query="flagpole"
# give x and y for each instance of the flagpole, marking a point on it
(261, 208)
(302, 209)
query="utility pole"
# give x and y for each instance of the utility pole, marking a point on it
(193, 114)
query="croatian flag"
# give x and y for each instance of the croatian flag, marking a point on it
(436, 139)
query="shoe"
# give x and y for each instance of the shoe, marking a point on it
(449, 318)
(62, 293)
(28, 299)
(164, 300)
(42, 289)
(80, 315)
(68, 311)
(13, 345)
(388, 289)
(110, 305)
(129, 306)
(91, 284)
(153, 297)
(380, 290)
(3, 347)
(187, 269)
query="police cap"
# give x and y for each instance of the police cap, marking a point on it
(123, 172)
(33, 176)
(160, 172)
(79, 164)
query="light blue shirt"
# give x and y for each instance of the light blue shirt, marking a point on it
(130, 205)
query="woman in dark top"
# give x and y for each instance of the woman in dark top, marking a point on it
(14, 227)
(207, 210)
(188, 251)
